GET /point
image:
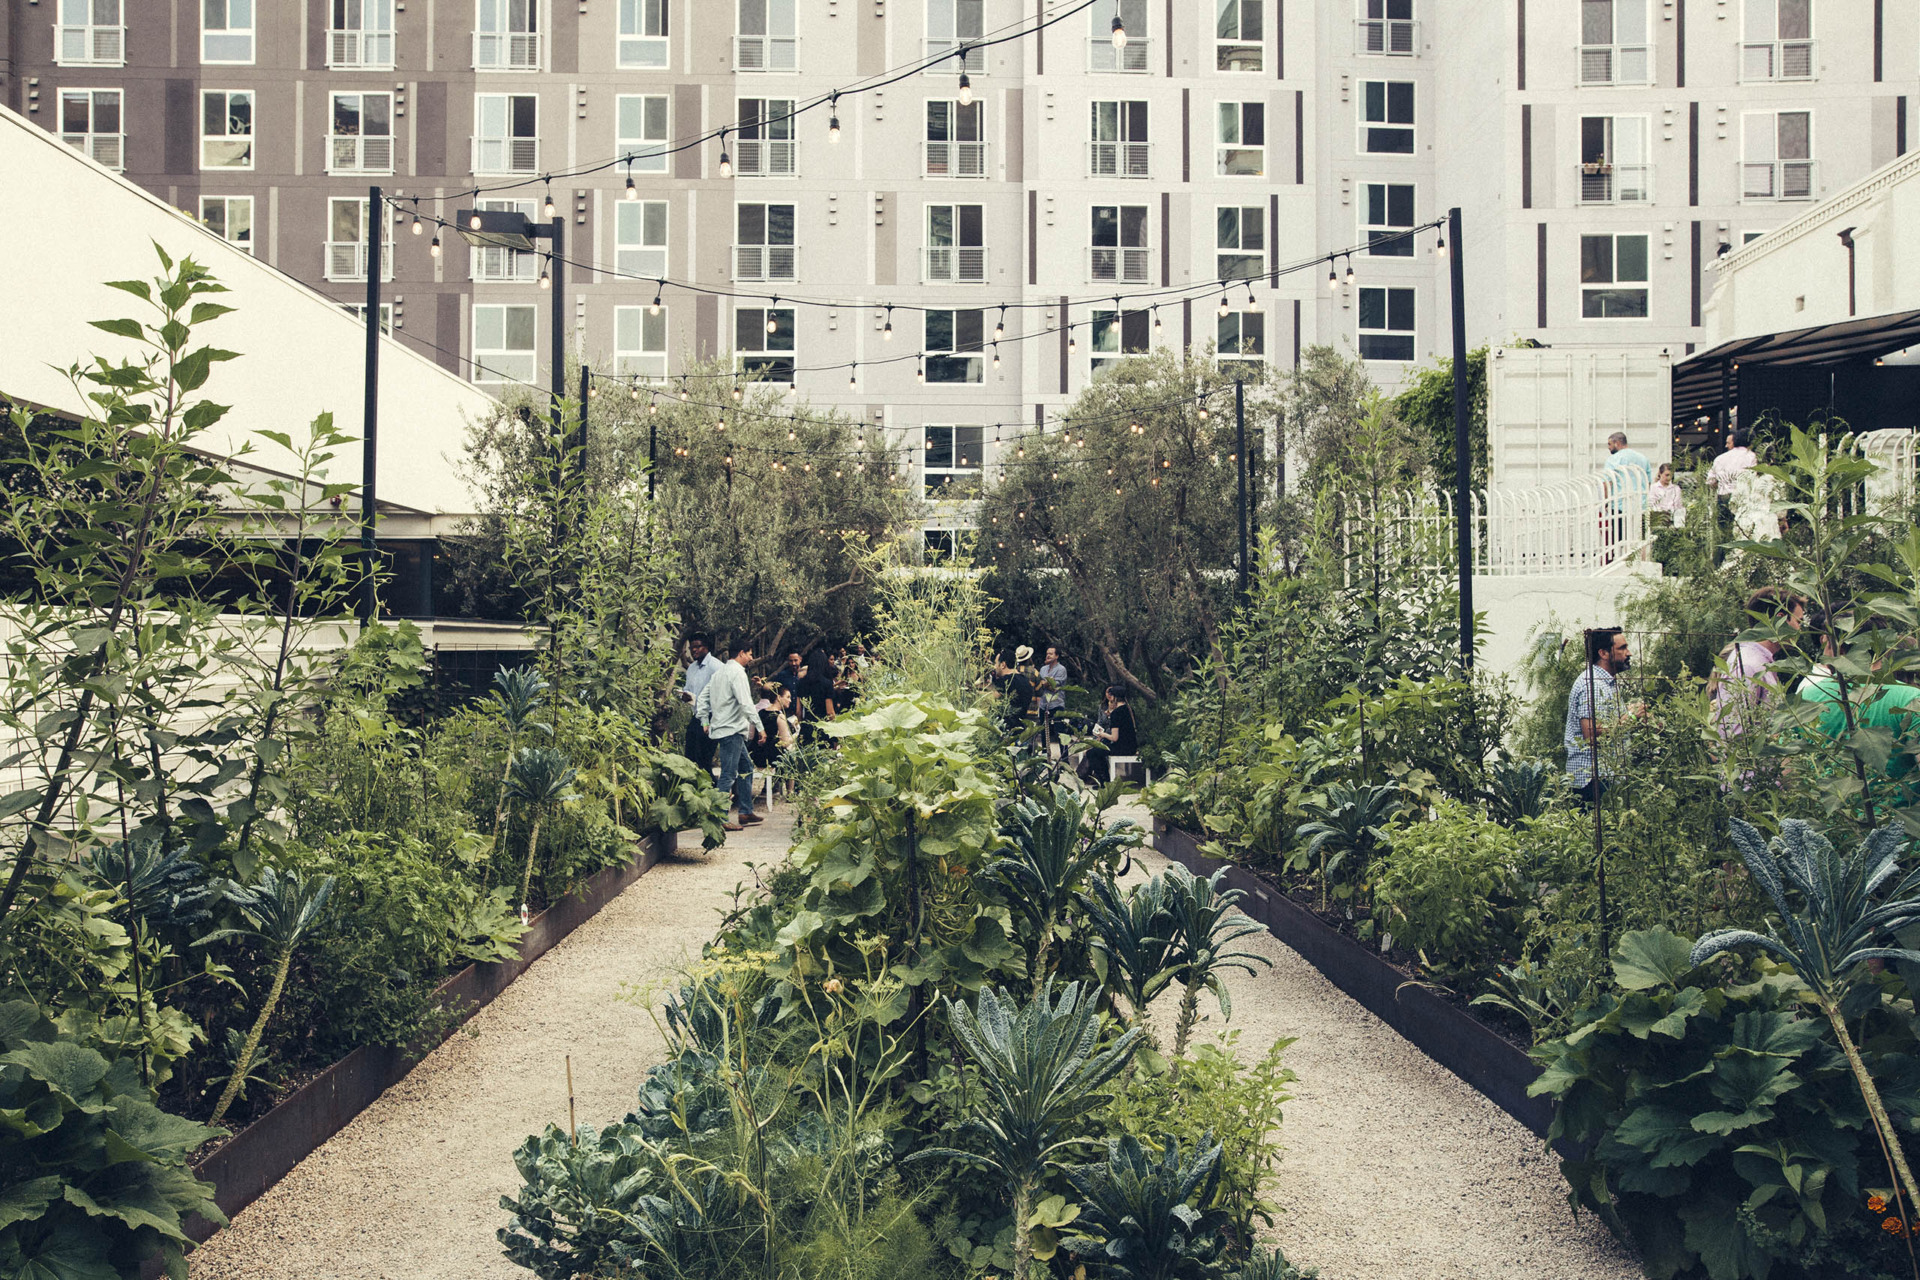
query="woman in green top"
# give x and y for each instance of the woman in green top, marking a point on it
(1893, 707)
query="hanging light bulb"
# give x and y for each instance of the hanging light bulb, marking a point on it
(1073, 343)
(653, 406)
(726, 161)
(633, 392)
(1156, 322)
(791, 435)
(1253, 303)
(417, 227)
(736, 388)
(1119, 28)
(1440, 246)
(546, 281)
(722, 426)
(833, 118)
(633, 192)
(1349, 270)
(886, 334)
(473, 223)
(1333, 281)
(996, 355)
(1000, 326)
(966, 89)
(434, 248)
(547, 208)
(771, 324)
(1223, 306)
(655, 308)
(1203, 411)
(853, 377)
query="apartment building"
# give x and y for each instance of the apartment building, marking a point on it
(980, 226)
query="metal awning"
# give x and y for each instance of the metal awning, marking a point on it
(1698, 380)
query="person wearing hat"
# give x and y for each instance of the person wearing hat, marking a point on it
(1052, 685)
(1016, 685)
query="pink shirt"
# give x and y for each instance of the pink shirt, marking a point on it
(1749, 683)
(1665, 497)
(1728, 466)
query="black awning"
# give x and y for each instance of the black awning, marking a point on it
(1697, 380)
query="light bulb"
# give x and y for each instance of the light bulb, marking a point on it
(546, 281)
(1000, 326)
(726, 165)
(1156, 322)
(1349, 270)
(1333, 281)
(1073, 343)
(434, 248)
(547, 208)
(996, 355)
(833, 128)
(966, 90)
(474, 222)
(1223, 306)
(1253, 303)
(886, 334)
(1440, 246)
(772, 324)
(655, 308)
(633, 392)
(853, 377)
(417, 227)
(736, 391)
(1119, 28)
(633, 192)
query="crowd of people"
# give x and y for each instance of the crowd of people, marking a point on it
(1035, 698)
(1744, 496)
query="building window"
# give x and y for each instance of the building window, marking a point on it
(1237, 33)
(953, 25)
(1613, 160)
(1386, 117)
(358, 310)
(640, 343)
(503, 339)
(1779, 40)
(955, 252)
(226, 31)
(361, 137)
(497, 264)
(1386, 324)
(1386, 219)
(226, 129)
(1118, 335)
(1118, 245)
(230, 218)
(506, 133)
(1778, 148)
(506, 36)
(767, 40)
(361, 34)
(90, 124)
(1117, 142)
(763, 339)
(1613, 277)
(1101, 55)
(91, 33)
(1613, 42)
(766, 146)
(1387, 29)
(764, 247)
(641, 123)
(954, 342)
(1242, 345)
(1240, 236)
(347, 240)
(956, 145)
(643, 33)
(949, 463)
(1240, 140)
(640, 238)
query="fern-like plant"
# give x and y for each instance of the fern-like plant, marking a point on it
(541, 779)
(1055, 849)
(1205, 929)
(1133, 951)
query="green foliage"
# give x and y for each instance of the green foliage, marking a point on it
(1205, 928)
(1138, 1213)
(1349, 828)
(1134, 952)
(1427, 407)
(1052, 854)
(1454, 889)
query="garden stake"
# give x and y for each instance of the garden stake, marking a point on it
(1599, 832)
(573, 1130)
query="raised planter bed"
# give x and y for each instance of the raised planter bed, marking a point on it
(1445, 1033)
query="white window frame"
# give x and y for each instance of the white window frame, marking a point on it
(212, 143)
(640, 343)
(956, 352)
(1241, 254)
(945, 35)
(643, 42)
(1107, 344)
(767, 259)
(1387, 329)
(956, 261)
(776, 49)
(221, 26)
(1787, 179)
(107, 149)
(1386, 229)
(359, 152)
(360, 35)
(1239, 54)
(503, 364)
(765, 144)
(1623, 172)
(358, 310)
(1137, 57)
(501, 45)
(1386, 29)
(1616, 61)
(346, 260)
(1224, 149)
(954, 157)
(1768, 57)
(1120, 262)
(91, 41)
(508, 152)
(1386, 124)
(768, 357)
(1597, 289)
(497, 264)
(640, 238)
(1122, 155)
(956, 448)
(648, 152)
(227, 206)
(1229, 358)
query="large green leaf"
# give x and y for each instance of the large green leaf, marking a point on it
(21, 1021)
(1650, 958)
(155, 1134)
(24, 1201)
(68, 1069)
(1666, 1134)
(128, 1192)
(71, 1253)
(1725, 1249)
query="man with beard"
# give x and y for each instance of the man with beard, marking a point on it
(1593, 712)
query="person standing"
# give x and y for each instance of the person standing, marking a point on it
(1053, 691)
(814, 694)
(1729, 466)
(1629, 475)
(789, 677)
(1665, 496)
(1015, 687)
(1748, 682)
(699, 747)
(1115, 735)
(1593, 712)
(732, 723)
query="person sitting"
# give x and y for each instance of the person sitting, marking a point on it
(1114, 735)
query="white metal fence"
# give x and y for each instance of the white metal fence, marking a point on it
(1571, 528)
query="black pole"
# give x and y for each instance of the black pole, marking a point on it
(580, 437)
(1240, 434)
(370, 418)
(1462, 446)
(653, 440)
(558, 265)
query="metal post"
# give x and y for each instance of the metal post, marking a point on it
(370, 417)
(1463, 513)
(1240, 435)
(559, 241)
(653, 441)
(580, 437)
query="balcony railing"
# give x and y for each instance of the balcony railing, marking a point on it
(495, 265)
(1607, 183)
(1388, 37)
(506, 155)
(1777, 60)
(91, 46)
(1136, 57)
(1118, 159)
(351, 153)
(766, 262)
(371, 50)
(347, 260)
(974, 63)
(506, 50)
(766, 53)
(956, 159)
(1778, 180)
(766, 157)
(105, 149)
(1120, 266)
(954, 264)
(1616, 64)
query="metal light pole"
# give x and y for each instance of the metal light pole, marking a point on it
(557, 233)
(370, 417)
(1240, 434)
(1462, 459)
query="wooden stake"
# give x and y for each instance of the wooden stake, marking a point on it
(573, 1132)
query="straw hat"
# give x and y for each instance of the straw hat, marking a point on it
(1023, 654)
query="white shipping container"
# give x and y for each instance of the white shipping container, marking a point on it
(1551, 409)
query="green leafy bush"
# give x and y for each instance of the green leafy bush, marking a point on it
(1453, 890)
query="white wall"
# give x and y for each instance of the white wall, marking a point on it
(1516, 607)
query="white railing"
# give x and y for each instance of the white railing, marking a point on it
(506, 50)
(1118, 159)
(1616, 64)
(1896, 478)
(1392, 37)
(956, 264)
(370, 50)
(506, 155)
(352, 153)
(1777, 60)
(494, 264)
(1137, 57)
(1608, 183)
(347, 260)
(1572, 528)
(766, 157)
(766, 262)
(956, 159)
(91, 46)
(1120, 266)
(973, 62)
(766, 53)
(105, 149)
(1777, 180)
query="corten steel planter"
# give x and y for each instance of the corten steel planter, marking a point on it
(1445, 1033)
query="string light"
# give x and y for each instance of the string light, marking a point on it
(633, 192)
(966, 84)
(473, 223)
(633, 392)
(853, 377)
(919, 370)
(1440, 246)
(726, 161)
(1253, 303)
(1072, 342)
(1000, 326)
(655, 308)
(1223, 306)
(546, 281)
(434, 248)
(417, 227)
(1333, 281)
(833, 118)
(1119, 28)
(1156, 321)
(1349, 270)
(736, 388)
(996, 355)
(547, 207)
(886, 334)
(771, 325)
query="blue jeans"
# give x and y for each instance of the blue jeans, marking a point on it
(736, 770)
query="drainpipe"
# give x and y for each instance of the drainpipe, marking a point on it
(1846, 238)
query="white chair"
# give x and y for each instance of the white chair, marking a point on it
(1114, 764)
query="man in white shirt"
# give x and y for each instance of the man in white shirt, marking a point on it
(725, 707)
(699, 747)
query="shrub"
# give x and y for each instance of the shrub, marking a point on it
(1452, 890)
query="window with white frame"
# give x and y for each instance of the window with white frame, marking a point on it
(640, 342)
(1613, 277)
(360, 133)
(1778, 151)
(506, 35)
(766, 147)
(955, 252)
(90, 33)
(506, 137)
(1242, 342)
(763, 340)
(1613, 160)
(764, 247)
(347, 240)
(226, 31)
(358, 310)
(1101, 54)
(503, 342)
(90, 124)
(497, 264)
(768, 39)
(1386, 29)
(950, 462)
(1778, 40)
(1386, 218)
(955, 340)
(643, 34)
(226, 129)
(360, 34)
(230, 218)
(1238, 29)
(1614, 48)
(1117, 140)
(640, 238)
(1386, 324)
(1240, 139)
(956, 145)
(1118, 335)
(1117, 245)
(1240, 239)
(953, 25)
(1386, 117)
(640, 123)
